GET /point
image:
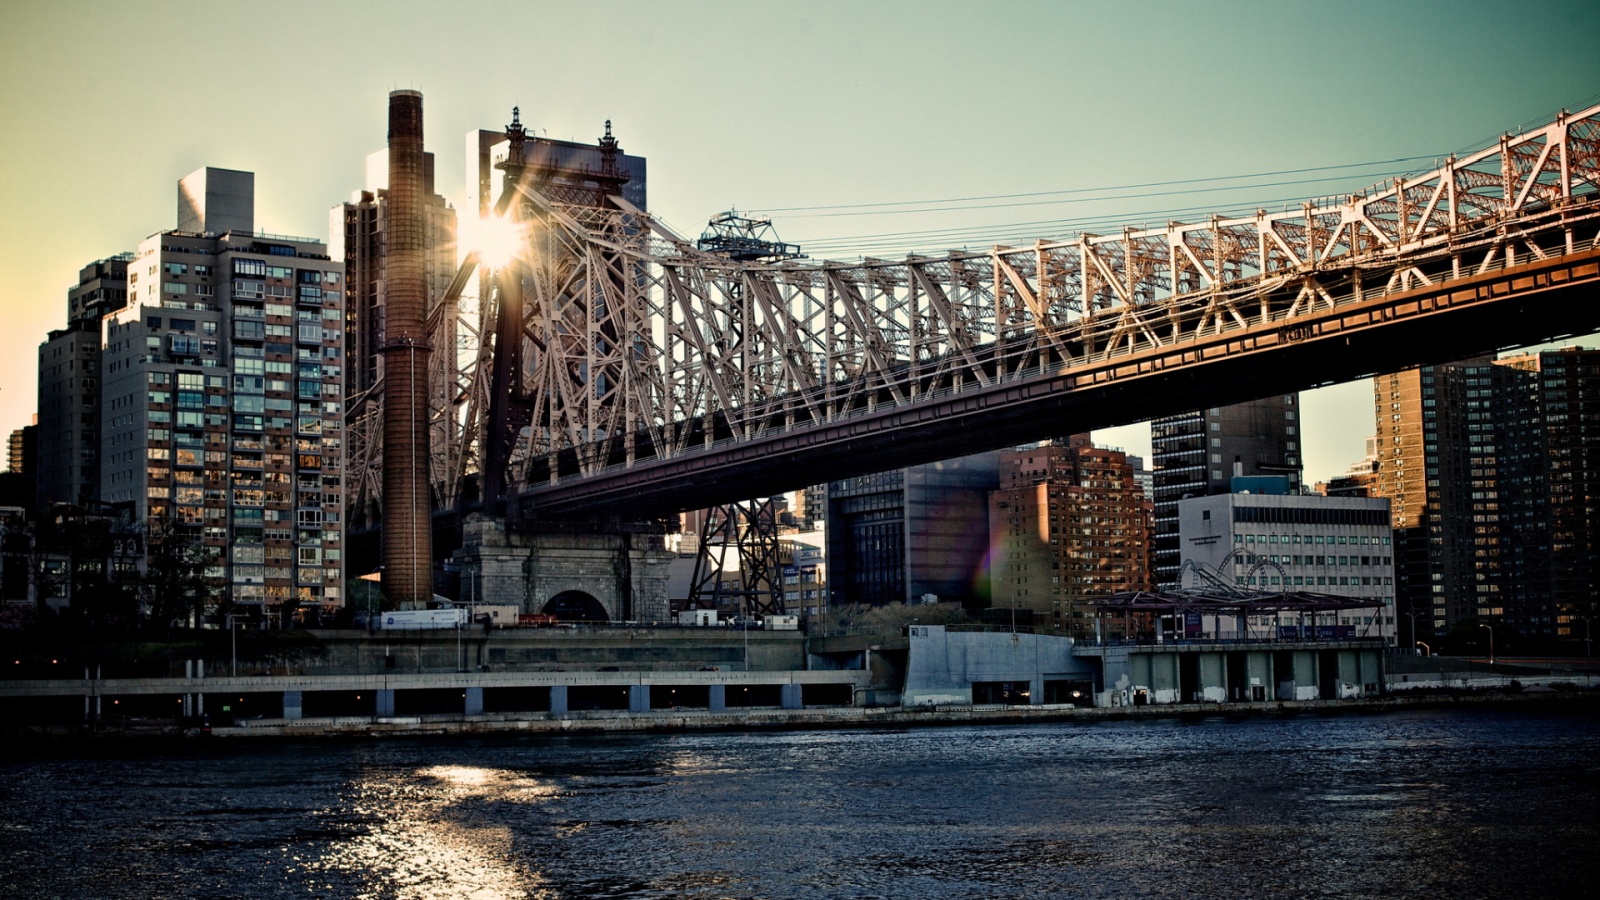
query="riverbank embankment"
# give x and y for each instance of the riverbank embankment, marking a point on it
(678, 721)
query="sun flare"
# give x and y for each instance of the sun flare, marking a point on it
(499, 242)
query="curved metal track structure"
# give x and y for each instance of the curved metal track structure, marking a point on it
(650, 373)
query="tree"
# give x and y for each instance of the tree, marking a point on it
(363, 597)
(175, 562)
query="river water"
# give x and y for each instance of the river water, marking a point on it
(1424, 803)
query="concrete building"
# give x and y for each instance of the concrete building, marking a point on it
(1069, 525)
(222, 400)
(904, 535)
(69, 386)
(1295, 542)
(953, 666)
(1198, 454)
(805, 573)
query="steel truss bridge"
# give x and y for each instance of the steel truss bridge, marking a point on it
(611, 366)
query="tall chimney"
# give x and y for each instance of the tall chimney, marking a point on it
(407, 504)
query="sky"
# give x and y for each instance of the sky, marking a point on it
(857, 126)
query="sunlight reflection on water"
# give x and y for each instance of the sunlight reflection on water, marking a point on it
(418, 840)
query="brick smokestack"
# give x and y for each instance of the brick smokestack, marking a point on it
(407, 506)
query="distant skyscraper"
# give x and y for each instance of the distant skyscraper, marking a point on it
(904, 535)
(1493, 470)
(1198, 454)
(15, 451)
(69, 386)
(1069, 525)
(221, 402)
(1563, 510)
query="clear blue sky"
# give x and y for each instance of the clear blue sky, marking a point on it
(104, 105)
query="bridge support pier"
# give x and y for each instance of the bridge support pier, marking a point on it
(558, 699)
(717, 698)
(789, 696)
(385, 703)
(638, 698)
(624, 571)
(474, 702)
(293, 704)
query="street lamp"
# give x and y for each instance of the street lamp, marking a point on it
(1413, 617)
(1491, 640)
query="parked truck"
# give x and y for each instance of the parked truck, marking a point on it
(421, 619)
(498, 615)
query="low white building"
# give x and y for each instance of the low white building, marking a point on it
(1296, 542)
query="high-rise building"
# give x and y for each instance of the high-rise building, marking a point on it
(1423, 471)
(356, 236)
(1198, 454)
(69, 386)
(910, 534)
(18, 454)
(221, 401)
(1561, 509)
(1359, 481)
(1493, 471)
(1069, 525)
(1281, 543)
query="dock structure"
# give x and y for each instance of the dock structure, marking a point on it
(641, 678)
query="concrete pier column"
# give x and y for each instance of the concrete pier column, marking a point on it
(789, 696)
(1036, 691)
(385, 698)
(1213, 686)
(638, 698)
(558, 699)
(717, 698)
(293, 704)
(474, 703)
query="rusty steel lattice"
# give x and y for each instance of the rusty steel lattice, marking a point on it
(631, 344)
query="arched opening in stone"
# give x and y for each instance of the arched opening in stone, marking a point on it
(576, 606)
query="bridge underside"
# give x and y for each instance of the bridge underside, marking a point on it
(1285, 350)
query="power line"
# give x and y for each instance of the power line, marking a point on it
(1205, 190)
(1062, 227)
(1078, 191)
